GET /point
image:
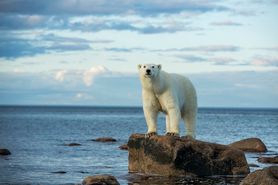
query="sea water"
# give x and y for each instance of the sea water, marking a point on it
(36, 137)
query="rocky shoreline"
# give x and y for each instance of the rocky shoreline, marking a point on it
(174, 160)
(182, 160)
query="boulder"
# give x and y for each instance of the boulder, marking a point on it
(175, 156)
(266, 176)
(123, 147)
(268, 159)
(250, 145)
(4, 151)
(100, 180)
(105, 139)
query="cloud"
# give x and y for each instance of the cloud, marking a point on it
(14, 46)
(209, 48)
(213, 60)
(60, 75)
(220, 89)
(265, 61)
(101, 7)
(226, 23)
(92, 73)
(206, 49)
(192, 58)
(147, 17)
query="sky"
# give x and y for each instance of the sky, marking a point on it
(86, 52)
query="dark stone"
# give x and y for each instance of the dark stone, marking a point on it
(273, 160)
(254, 165)
(266, 176)
(174, 156)
(104, 139)
(100, 180)
(60, 172)
(123, 147)
(72, 144)
(250, 145)
(4, 151)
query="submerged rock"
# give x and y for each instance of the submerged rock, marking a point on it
(100, 180)
(250, 145)
(273, 160)
(123, 147)
(59, 172)
(266, 176)
(174, 156)
(254, 165)
(4, 151)
(72, 144)
(104, 139)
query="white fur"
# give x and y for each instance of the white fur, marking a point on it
(171, 94)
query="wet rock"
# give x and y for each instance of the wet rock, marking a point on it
(273, 160)
(60, 172)
(100, 180)
(254, 165)
(104, 139)
(266, 176)
(174, 156)
(4, 151)
(123, 147)
(250, 145)
(72, 144)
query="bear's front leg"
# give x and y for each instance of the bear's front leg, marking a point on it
(174, 117)
(151, 117)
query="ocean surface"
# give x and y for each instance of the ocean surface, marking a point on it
(36, 135)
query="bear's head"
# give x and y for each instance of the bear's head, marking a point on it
(149, 70)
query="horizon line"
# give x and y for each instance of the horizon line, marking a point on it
(125, 106)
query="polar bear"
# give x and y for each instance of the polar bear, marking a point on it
(171, 94)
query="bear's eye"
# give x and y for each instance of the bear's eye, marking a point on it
(144, 66)
(152, 66)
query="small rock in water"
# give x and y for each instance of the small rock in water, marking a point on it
(104, 139)
(273, 160)
(60, 172)
(253, 165)
(266, 176)
(123, 147)
(250, 145)
(100, 180)
(4, 151)
(72, 144)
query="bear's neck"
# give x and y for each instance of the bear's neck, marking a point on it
(155, 85)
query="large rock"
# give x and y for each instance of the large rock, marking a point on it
(250, 145)
(266, 176)
(4, 151)
(174, 156)
(100, 180)
(268, 159)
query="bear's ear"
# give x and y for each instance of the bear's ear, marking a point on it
(139, 66)
(159, 66)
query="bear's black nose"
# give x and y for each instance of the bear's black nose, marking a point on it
(148, 71)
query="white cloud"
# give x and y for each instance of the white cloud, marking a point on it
(79, 95)
(265, 61)
(89, 75)
(60, 75)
